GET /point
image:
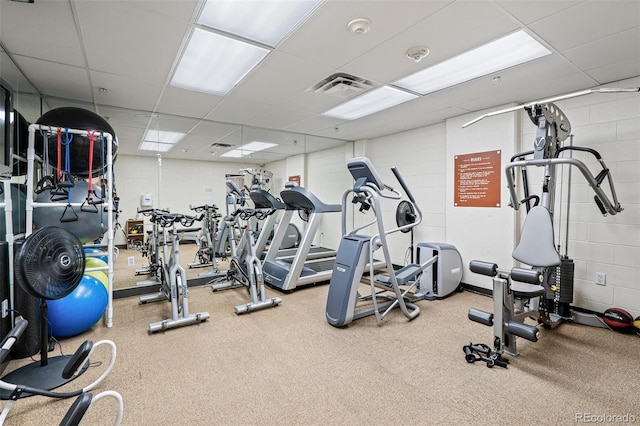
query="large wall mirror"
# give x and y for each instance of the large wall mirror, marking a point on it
(207, 143)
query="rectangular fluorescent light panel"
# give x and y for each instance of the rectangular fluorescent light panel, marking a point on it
(376, 100)
(511, 50)
(213, 63)
(247, 149)
(160, 140)
(267, 21)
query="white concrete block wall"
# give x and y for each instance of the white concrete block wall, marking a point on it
(327, 178)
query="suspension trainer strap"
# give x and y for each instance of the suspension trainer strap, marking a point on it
(59, 146)
(68, 137)
(91, 135)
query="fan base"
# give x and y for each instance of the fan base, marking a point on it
(46, 377)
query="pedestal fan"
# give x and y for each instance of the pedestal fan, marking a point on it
(48, 265)
(406, 215)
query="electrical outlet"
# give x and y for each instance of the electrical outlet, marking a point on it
(601, 278)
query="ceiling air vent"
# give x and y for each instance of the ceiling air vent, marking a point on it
(221, 145)
(342, 85)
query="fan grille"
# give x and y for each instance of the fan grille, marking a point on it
(405, 215)
(50, 263)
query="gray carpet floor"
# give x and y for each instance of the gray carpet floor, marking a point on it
(287, 366)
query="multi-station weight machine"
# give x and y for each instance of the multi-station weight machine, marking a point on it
(544, 290)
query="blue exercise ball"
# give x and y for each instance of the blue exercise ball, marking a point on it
(78, 311)
(97, 254)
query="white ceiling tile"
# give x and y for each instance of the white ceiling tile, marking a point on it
(43, 30)
(615, 71)
(131, 47)
(607, 50)
(61, 81)
(529, 12)
(325, 38)
(280, 117)
(440, 32)
(139, 45)
(587, 21)
(125, 91)
(187, 102)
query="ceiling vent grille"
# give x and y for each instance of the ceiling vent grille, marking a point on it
(342, 85)
(221, 145)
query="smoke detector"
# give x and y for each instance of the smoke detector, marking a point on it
(359, 26)
(417, 53)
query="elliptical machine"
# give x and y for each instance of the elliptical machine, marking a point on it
(544, 291)
(396, 289)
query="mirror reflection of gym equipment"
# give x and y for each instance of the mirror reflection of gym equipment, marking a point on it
(245, 268)
(544, 291)
(173, 286)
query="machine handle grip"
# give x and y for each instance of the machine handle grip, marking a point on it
(600, 205)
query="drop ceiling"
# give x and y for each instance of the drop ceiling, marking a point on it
(117, 58)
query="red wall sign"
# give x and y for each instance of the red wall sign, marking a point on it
(477, 179)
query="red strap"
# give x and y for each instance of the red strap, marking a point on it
(59, 153)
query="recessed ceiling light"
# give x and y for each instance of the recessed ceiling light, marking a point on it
(248, 149)
(508, 51)
(214, 63)
(376, 100)
(159, 140)
(265, 21)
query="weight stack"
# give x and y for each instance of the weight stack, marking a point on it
(559, 301)
(29, 307)
(567, 268)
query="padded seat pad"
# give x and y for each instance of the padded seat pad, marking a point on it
(536, 247)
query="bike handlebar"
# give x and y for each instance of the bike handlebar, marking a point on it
(204, 207)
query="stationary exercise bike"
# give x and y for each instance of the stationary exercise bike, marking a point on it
(150, 249)
(173, 286)
(544, 291)
(226, 234)
(245, 268)
(205, 255)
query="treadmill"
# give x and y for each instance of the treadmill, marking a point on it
(304, 267)
(264, 200)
